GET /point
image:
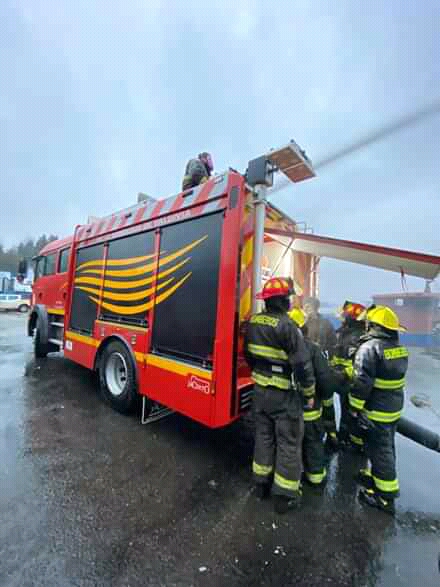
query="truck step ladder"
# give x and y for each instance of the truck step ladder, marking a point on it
(56, 342)
(156, 413)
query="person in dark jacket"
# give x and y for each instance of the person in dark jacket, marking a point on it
(275, 351)
(325, 382)
(197, 171)
(376, 400)
(347, 342)
(319, 328)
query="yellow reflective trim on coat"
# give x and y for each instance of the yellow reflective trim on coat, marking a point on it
(308, 391)
(397, 353)
(271, 381)
(366, 472)
(265, 320)
(312, 415)
(269, 352)
(327, 403)
(338, 361)
(384, 417)
(389, 384)
(356, 403)
(286, 483)
(356, 440)
(317, 478)
(262, 470)
(387, 486)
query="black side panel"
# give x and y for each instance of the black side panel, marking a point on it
(184, 322)
(84, 308)
(128, 279)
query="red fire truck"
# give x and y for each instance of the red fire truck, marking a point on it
(153, 297)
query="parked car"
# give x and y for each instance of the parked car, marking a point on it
(13, 302)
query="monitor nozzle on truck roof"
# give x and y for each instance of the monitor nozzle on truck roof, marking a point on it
(292, 161)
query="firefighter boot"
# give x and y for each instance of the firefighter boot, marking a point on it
(262, 490)
(282, 503)
(371, 498)
(365, 478)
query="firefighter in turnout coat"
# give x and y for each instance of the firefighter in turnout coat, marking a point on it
(347, 342)
(376, 400)
(313, 447)
(197, 171)
(276, 353)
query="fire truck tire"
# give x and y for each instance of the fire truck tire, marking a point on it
(41, 348)
(117, 378)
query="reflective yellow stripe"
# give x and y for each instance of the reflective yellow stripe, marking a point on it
(333, 435)
(356, 440)
(268, 352)
(355, 402)
(397, 353)
(82, 338)
(265, 320)
(336, 361)
(262, 470)
(385, 417)
(308, 391)
(327, 403)
(366, 472)
(350, 371)
(272, 381)
(387, 486)
(178, 367)
(312, 415)
(317, 478)
(389, 384)
(285, 483)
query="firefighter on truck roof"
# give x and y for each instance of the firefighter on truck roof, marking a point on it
(275, 351)
(313, 446)
(197, 171)
(376, 400)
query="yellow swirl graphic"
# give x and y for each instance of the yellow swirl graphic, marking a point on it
(104, 291)
(128, 310)
(130, 284)
(126, 297)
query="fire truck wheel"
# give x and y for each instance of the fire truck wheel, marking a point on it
(40, 349)
(117, 378)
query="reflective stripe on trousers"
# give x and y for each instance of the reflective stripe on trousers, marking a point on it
(317, 478)
(311, 415)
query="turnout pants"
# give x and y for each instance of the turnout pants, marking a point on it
(279, 430)
(348, 427)
(381, 451)
(313, 451)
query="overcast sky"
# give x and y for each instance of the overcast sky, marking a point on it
(100, 100)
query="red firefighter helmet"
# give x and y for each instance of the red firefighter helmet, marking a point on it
(352, 310)
(277, 287)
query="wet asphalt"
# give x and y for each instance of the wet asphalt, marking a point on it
(92, 498)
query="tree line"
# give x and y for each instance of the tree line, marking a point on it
(9, 258)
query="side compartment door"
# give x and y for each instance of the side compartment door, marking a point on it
(187, 290)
